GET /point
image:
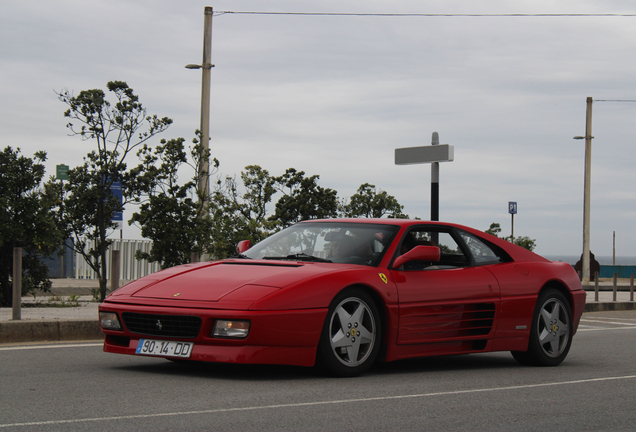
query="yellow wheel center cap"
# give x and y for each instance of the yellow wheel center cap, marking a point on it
(554, 328)
(353, 332)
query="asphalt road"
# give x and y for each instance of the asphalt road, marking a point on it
(77, 387)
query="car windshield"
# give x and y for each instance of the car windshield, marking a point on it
(338, 242)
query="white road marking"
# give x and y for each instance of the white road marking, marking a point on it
(587, 327)
(613, 322)
(607, 318)
(604, 320)
(31, 347)
(606, 328)
(317, 403)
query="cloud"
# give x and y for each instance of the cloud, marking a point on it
(334, 96)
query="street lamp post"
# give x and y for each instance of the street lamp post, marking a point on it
(203, 182)
(206, 66)
(585, 260)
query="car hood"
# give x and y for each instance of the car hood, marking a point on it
(230, 280)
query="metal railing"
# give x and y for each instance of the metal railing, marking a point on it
(614, 287)
(130, 267)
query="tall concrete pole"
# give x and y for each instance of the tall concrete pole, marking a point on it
(435, 183)
(206, 66)
(203, 182)
(585, 277)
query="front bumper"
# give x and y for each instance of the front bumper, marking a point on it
(276, 337)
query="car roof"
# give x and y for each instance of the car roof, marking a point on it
(386, 221)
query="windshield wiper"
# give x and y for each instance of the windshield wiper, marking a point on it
(299, 257)
(241, 256)
(305, 257)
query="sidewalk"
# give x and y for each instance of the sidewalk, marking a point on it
(624, 299)
(46, 324)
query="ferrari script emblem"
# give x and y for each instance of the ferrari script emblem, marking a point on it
(383, 277)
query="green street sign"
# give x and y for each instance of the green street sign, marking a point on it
(61, 172)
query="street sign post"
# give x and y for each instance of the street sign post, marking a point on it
(424, 154)
(118, 216)
(512, 209)
(433, 154)
(61, 172)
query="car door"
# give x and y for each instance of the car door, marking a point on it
(453, 302)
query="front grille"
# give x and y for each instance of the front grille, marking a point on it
(177, 326)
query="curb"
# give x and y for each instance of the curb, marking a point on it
(609, 306)
(44, 331)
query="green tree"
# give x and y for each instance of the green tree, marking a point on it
(27, 220)
(173, 216)
(240, 216)
(369, 202)
(302, 199)
(118, 128)
(524, 242)
(495, 229)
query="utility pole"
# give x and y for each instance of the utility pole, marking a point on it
(585, 277)
(203, 183)
(585, 259)
(204, 168)
(206, 66)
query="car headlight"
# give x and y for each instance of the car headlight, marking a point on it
(109, 321)
(235, 329)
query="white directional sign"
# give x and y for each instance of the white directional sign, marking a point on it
(424, 154)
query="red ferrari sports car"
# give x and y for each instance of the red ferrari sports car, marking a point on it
(344, 293)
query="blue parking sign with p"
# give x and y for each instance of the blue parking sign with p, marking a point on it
(512, 207)
(115, 189)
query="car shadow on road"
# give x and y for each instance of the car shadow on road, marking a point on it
(447, 363)
(225, 371)
(241, 372)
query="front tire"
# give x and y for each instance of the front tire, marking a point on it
(551, 332)
(351, 335)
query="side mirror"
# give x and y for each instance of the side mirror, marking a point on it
(418, 253)
(243, 246)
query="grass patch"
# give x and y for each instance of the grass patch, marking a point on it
(55, 301)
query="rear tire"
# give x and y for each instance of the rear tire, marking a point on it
(551, 332)
(351, 335)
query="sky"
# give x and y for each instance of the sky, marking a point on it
(336, 95)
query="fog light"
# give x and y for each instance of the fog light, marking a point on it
(109, 321)
(231, 329)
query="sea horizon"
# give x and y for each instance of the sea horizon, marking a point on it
(602, 259)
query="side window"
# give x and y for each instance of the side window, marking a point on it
(451, 255)
(482, 252)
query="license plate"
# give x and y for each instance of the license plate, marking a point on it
(164, 348)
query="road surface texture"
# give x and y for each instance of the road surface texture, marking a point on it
(77, 387)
